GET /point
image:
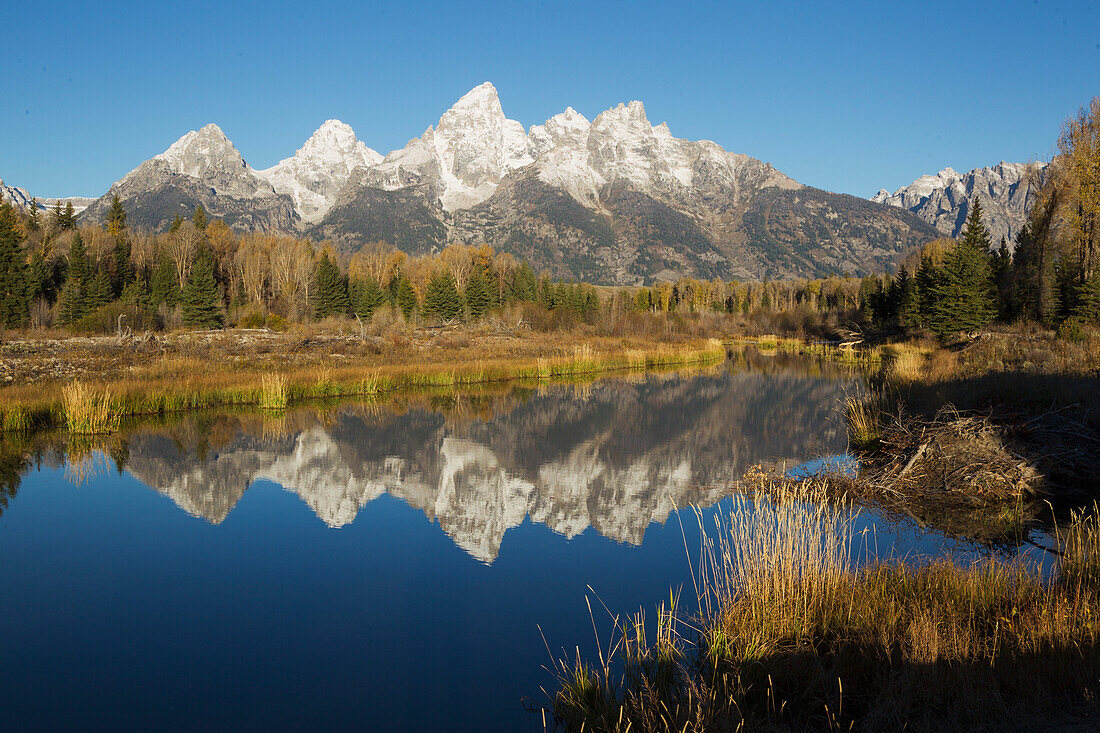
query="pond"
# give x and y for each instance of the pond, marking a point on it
(401, 566)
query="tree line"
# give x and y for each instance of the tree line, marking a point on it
(56, 271)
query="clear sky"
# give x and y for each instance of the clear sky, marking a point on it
(845, 96)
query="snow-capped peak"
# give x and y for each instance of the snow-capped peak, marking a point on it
(466, 154)
(14, 195)
(198, 151)
(320, 168)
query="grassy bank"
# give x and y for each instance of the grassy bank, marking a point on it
(981, 437)
(801, 628)
(170, 385)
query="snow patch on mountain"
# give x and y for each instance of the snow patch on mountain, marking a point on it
(465, 155)
(14, 195)
(320, 168)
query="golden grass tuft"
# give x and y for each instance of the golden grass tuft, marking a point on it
(862, 417)
(274, 392)
(87, 410)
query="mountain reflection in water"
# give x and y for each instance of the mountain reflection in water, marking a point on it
(615, 455)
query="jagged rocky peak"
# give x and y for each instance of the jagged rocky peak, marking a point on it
(476, 142)
(466, 154)
(320, 168)
(14, 195)
(201, 151)
(943, 200)
(563, 128)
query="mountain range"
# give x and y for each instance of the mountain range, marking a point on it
(1006, 191)
(613, 200)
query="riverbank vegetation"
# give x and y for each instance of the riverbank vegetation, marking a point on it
(801, 627)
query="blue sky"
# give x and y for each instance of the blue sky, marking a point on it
(845, 96)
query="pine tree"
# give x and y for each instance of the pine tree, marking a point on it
(1002, 279)
(478, 296)
(524, 284)
(1088, 300)
(98, 292)
(164, 287)
(965, 296)
(70, 306)
(122, 269)
(68, 218)
(442, 299)
(330, 289)
(39, 283)
(405, 296)
(57, 216)
(136, 293)
(77, 283)
(34, 220)
(199, 218)
(79, 267)
(368, 297)
(200, 300)
(14, 297)
(176, 224)
(907, 299)
(116, 216)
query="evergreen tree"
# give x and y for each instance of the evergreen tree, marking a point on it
(1088, 300)
(524, 284)
(964, 296)
(165, 287)
(68, 218)
(98, 292)
(39, 280)
(368, 297)
(71, 302)
(1002, 279)
(199, 218)
(80, 268)
(405, 296)
(34, 220)
(200, 300)
(330, 291)
(57, 216)
(116, 216)
(907, 299)
(14, 297)
(77, 283)
(122, 269)
(136, 293)
(478, 296)
(442, 299)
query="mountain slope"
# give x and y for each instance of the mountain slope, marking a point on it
(614, 200)
(1007, 191)
(202, 167)
(314, 175)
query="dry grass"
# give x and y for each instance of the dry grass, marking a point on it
(181, 382)
(273, 392)
(802, 629)
(88, 410)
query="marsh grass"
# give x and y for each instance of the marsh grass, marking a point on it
(862, 415)
(801, 627)
(274, 393)
(182, 384)
(88, 410)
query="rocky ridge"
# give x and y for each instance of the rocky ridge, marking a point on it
(1006, 191)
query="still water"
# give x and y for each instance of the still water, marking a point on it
(376, 567)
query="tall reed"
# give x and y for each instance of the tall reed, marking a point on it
(274, 392)
(87, 410)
